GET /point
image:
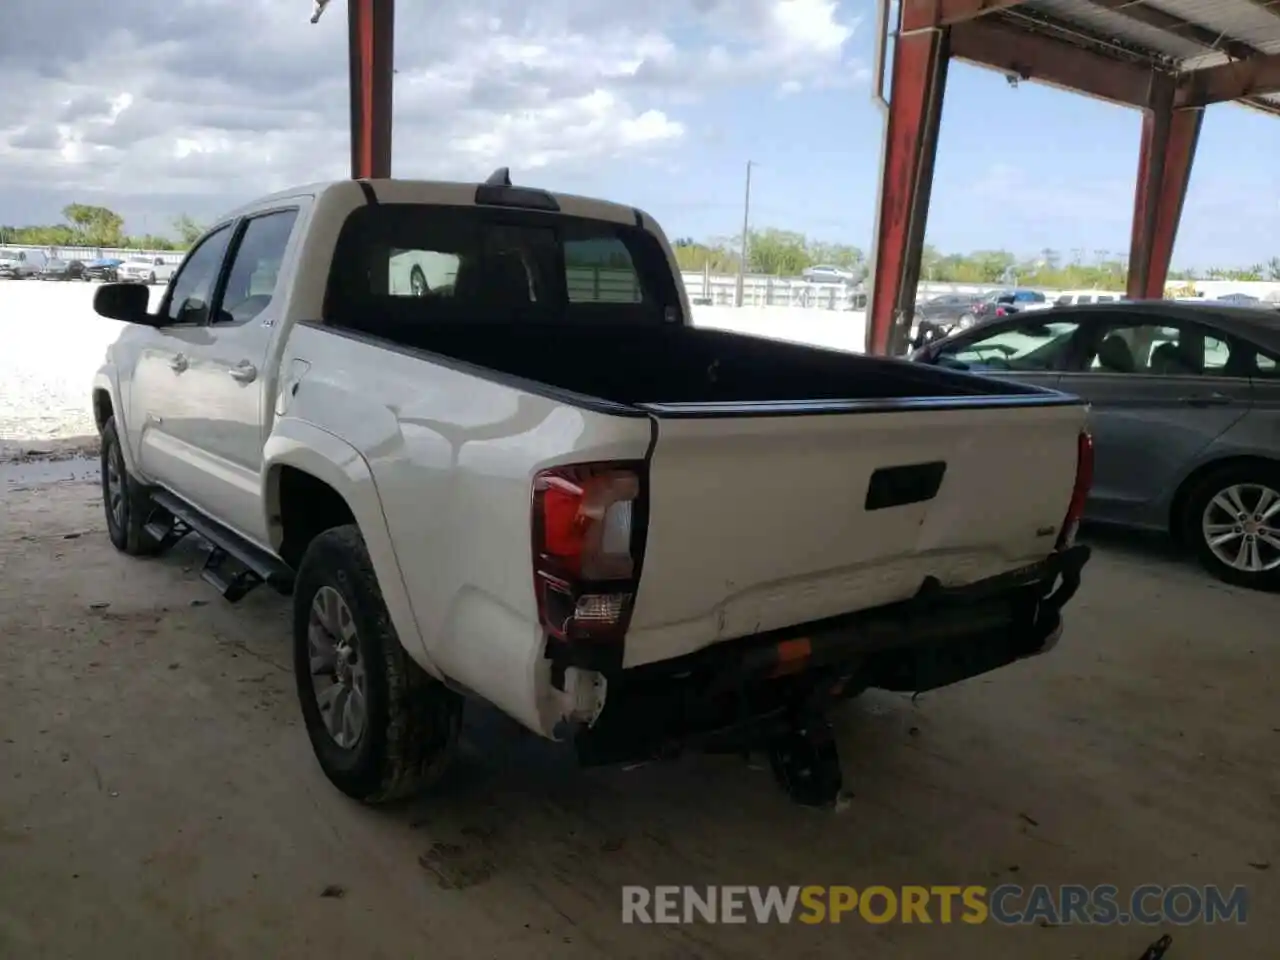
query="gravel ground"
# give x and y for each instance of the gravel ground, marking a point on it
(54, 343)
(158, 797)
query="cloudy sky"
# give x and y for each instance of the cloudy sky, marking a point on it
(157, 107)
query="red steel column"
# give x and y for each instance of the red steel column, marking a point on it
(915, 110)
(1165, 155)
(371, 39)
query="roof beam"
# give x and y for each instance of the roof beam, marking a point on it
(924, 14)
(1257, 76)
(1031, 56)
(1154, 17)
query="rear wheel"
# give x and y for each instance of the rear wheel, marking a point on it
(125, 502)
(151, 280)
(1232, 520)
(381, 728)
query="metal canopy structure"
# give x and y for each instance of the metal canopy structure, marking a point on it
(1168, 58)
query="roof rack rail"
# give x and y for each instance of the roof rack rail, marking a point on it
(497, 191)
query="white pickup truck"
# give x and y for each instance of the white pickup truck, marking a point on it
(521, 480)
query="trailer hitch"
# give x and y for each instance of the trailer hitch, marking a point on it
(806, 763)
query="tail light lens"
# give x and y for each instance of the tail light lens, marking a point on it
(1080, 492)
(588, 532)
(1000, 312)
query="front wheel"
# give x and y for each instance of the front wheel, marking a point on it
(382, 729)
(125, 503)
(1232, 520)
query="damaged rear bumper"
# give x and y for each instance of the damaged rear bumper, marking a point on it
(939, 637)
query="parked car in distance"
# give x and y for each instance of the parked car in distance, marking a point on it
(21, 264)
(830, 274)
(626, 532)
(103, 269)
(1079, 298)
(938, 316)
(55, 268)
(145, 270)
(1185, 414)
(1000, 303)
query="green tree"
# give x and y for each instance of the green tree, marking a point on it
(188, 230)
(94, 226)
(778, 253)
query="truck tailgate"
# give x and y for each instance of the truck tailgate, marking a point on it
(758, 522)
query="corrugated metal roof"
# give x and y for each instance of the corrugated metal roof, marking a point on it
(1176, 35)
(1195, 31)
(1106, 23)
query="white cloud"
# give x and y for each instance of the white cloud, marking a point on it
(228, 98)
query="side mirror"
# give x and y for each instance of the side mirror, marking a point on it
(127, 302)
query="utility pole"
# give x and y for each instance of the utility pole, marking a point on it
(742, 250)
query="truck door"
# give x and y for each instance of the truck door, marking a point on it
(160, 415)
(230, 374)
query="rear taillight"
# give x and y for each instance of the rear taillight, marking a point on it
(588, 533)
(1080, 492)
(1001, 312)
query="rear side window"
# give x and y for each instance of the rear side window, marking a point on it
(251, 282)
(402, 266)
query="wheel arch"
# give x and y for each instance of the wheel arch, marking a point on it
(338, 484)
(106, 404)
(1178, 503)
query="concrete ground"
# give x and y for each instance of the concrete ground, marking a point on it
(158, 797)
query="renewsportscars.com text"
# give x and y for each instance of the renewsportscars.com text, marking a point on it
(1009, 904)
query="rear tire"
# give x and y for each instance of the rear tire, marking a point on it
(1227, 520)
(348, 657)
(126, 504)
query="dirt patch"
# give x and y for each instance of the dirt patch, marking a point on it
(158, 796)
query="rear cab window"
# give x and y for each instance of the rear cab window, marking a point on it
(399, 267)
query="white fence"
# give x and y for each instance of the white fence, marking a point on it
(719, 290)
(98, 253)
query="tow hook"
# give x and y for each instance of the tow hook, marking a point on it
(806, 763)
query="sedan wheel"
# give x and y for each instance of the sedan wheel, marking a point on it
(1233, 519)
(1242, 527)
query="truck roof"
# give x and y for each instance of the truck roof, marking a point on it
(447, 192)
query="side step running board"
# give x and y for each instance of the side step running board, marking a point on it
(230, 551)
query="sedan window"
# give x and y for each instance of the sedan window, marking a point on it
(1027, 346)
(1164, 350)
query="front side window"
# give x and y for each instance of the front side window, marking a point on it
(191, 291)
(1026, 346)
(251, 282)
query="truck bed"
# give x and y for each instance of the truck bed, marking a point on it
(643, 364)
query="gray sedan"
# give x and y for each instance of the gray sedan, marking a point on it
(1185, 416)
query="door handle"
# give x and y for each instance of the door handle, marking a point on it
(244, 372)
(1206, 400)
(179, 363)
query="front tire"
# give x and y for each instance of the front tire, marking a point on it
(125, 503)
(1232, 521)
(381, 728)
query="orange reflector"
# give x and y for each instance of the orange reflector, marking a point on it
(792, 656)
